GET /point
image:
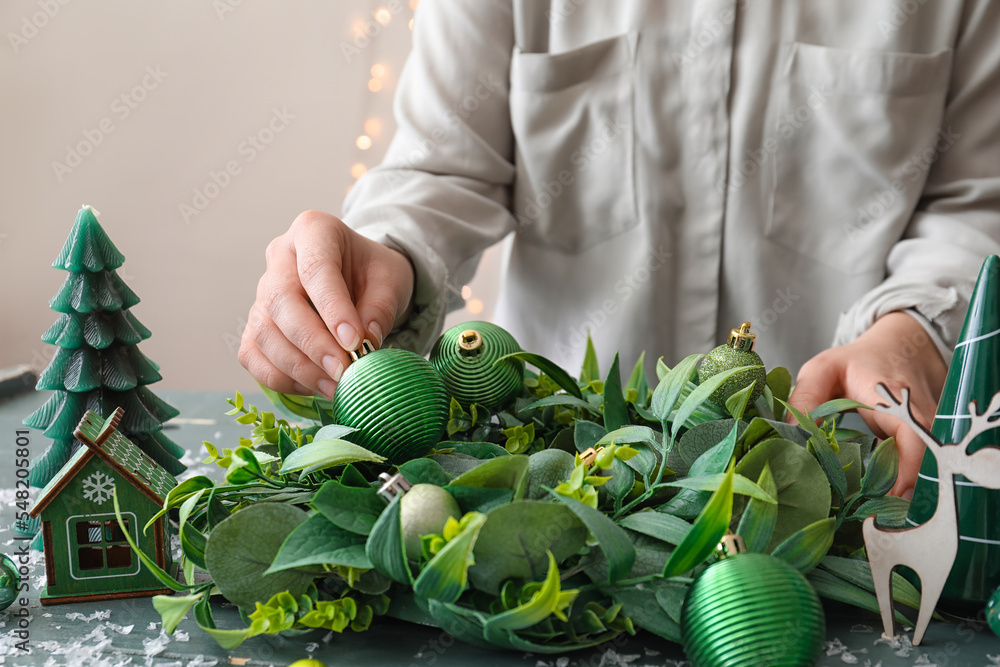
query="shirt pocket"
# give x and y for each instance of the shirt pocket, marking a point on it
(572, 118)
(855, 134)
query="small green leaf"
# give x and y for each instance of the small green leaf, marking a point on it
(612, 539)
(615, 408)
(424, 471)
(736, 404)
(562, 400)
(173, 608)
(837, 406)
(161, 575)
(741, 485)
(558, 375)
(446, 576)
(889, 511)
(542, 604)
(664, 527)
(859, 573)
(673, 382)
(226, 639)
(883, 468)
(637, 381)
(590, 370)
(243, 467)
(821, 449)
(834, 588)
(320, 454)
(706, 532)
(385, 548)
(805, 549)
(757, 523)
(333, 432)
(779, 381)
(503, 472)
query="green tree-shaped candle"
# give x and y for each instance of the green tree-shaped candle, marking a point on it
(97, 366)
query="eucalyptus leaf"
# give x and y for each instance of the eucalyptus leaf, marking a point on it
(664, 527)
(804, 549)
(700, 395)
(670, 595)
(587, 434)
(779, 381)
(834, 588)
(803, 491)
(761, 429)
(479, 450)
(889, 511)
(562, 400)
(698, 440)
(446, 575)
(736, 404)
(644, 462)
(320, 454)
(558, 375)
(424, 471)
(757, 523)
(689, 502)
(859, 573)
(318, 542)
(821, 449)
(242, 547)
(615, 408)
(350, 508)
(706, 532)
(671, 384)
(622, 481)
(515, 538)
(505, 472)
(385, 548)
(612, 540)
(479, 499)
(836, 406)
(883, 468)
(641, 605)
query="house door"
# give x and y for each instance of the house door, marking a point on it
(98, 549)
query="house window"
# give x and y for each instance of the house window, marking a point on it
(98, 547)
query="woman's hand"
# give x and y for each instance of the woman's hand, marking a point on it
(897, 352)
(325, 289)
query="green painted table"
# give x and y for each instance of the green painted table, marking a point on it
(128, 632)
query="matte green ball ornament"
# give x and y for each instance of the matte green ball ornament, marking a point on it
(467, 358)
(10, 582)
(734, 354)
(751, 609)
(396, 400)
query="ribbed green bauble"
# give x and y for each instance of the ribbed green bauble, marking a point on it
(734, 354)
(751, 609)
(466, 357)
(396, 400)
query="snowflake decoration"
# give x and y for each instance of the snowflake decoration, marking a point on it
(98, 487)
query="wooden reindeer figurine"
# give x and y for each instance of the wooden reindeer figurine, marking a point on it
(929, 549)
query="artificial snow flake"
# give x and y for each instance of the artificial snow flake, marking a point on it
(98, 487)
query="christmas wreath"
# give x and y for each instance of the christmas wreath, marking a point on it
(530, 510)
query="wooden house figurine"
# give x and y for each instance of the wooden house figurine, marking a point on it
(86, 554)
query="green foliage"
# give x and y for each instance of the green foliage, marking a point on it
(585, 505)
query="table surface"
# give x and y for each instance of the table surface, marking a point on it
(128, 631)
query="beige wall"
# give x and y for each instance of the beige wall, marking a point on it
(292, 73)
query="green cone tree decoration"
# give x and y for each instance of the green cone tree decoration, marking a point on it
(974, 375)
(97, 366)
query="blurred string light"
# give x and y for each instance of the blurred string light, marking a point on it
(379, 71)
(466, 292)
(475, 306)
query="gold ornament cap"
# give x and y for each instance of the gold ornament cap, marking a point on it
(730, 545)
(470, 342)
(742, 338)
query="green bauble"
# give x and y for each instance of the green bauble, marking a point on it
(737, 352)
(10, 582)
(466, 357)
(993, 612)
(752, 609)
(396, 400)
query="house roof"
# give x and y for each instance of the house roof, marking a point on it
(101, 438)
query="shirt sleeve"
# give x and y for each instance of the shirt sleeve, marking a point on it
(442, 193)
(932, 269)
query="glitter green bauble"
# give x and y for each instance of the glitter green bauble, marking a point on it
(993, 612)
(467, 358)
(10, 582)
(396, 400)
(734, 354)
(752, 609)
